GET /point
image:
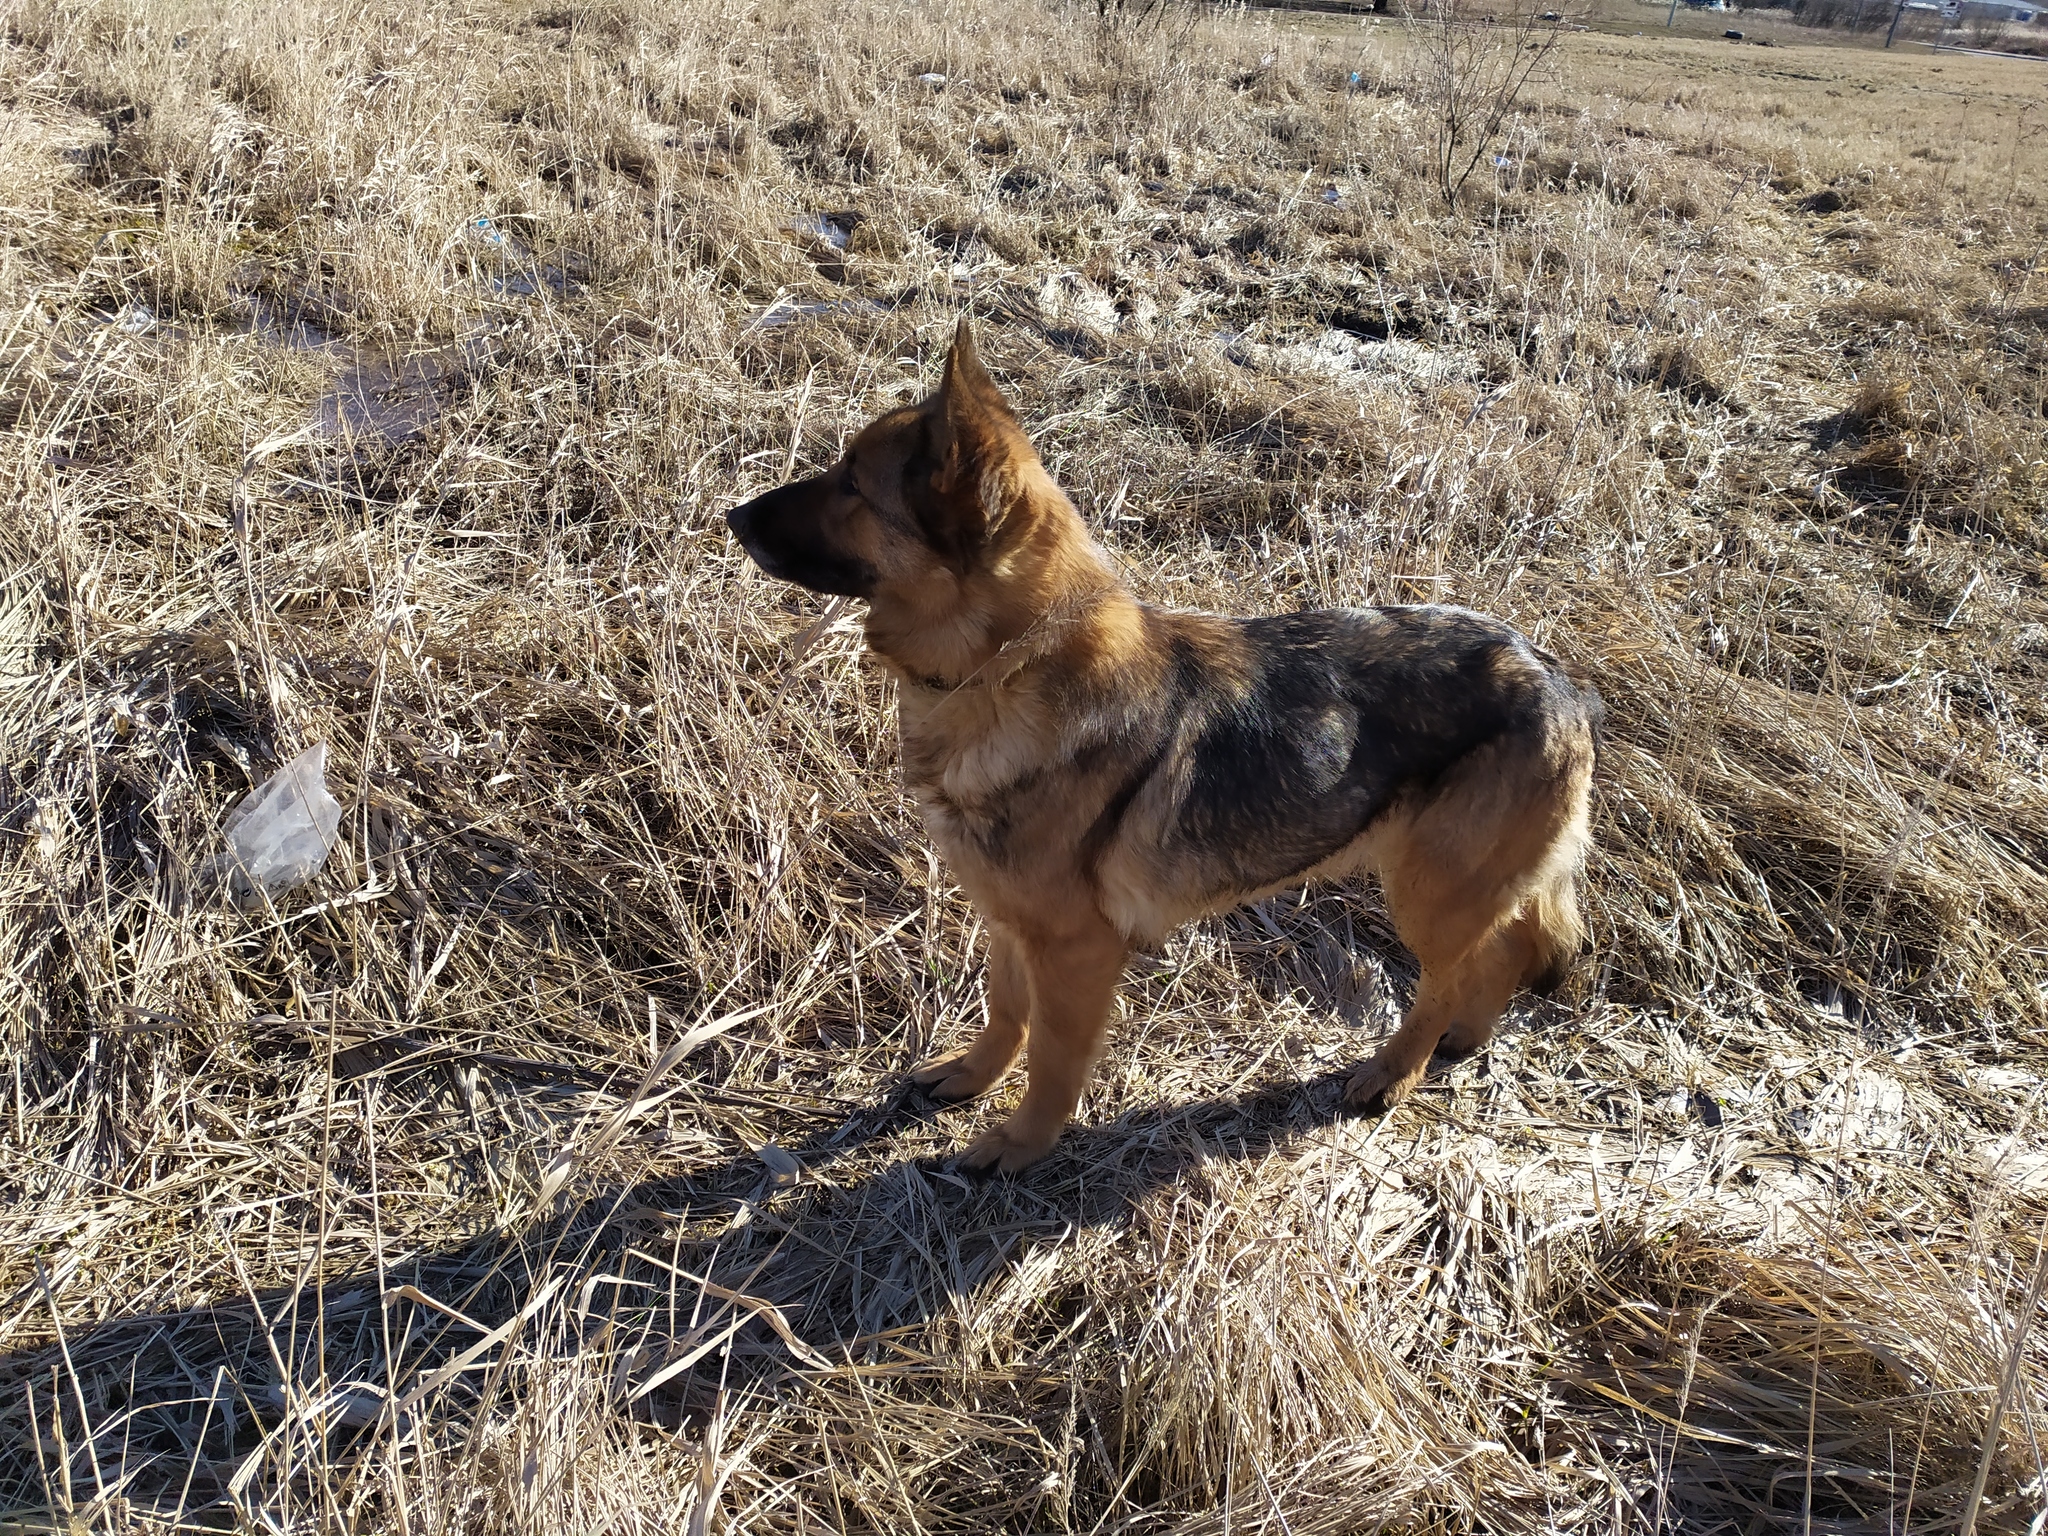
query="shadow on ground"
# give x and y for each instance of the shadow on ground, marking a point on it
(840, 1255)
(744, 1277)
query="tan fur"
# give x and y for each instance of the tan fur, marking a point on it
(996, 611)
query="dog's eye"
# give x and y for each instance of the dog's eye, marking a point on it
(847, 487)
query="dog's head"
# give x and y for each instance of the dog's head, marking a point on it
(920, 511)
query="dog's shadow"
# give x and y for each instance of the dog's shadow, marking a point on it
(853, 1246)
(838, 1243)
(942, 1233)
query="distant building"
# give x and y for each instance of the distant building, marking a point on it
(1990, 10)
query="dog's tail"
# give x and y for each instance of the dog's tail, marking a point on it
(1552, 921)
(1568, 689)
(1556, 928)
(1596, 717)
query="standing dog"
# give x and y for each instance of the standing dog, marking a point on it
(1097, 771)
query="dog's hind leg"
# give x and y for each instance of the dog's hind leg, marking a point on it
(1535, 948)
(1466, 981)
(964, 1074)
(1557, 932)
(1472, 884)
(1494, 972)
(1073, 975)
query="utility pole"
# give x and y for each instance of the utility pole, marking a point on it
(1673, 17)
(1894, 32)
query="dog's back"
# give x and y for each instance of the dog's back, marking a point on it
(1274, 749)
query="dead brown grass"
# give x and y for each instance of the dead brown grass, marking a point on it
(543, 1168)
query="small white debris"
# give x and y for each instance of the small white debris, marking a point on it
(1352, 359)
(2013, 1162)
(280, 833)
(1069, 299)
(1869, 1110)
(781, 1166)
(823, 227)
(350, 1405)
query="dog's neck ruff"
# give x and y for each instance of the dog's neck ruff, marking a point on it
(1013, 657)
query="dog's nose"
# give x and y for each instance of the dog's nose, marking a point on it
(736, 518)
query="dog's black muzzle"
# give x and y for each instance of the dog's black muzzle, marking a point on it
(784, 532)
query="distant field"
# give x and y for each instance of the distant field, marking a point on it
(379, 375)
(1845, 24)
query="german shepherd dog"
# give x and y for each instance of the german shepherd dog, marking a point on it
(1098, 771)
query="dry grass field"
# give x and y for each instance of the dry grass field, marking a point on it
(378, 374)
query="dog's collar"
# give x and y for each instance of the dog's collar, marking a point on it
(1017, 654)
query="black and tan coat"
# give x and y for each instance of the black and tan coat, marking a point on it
(1097, 771)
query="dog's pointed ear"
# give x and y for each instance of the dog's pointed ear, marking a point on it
(975, 438)
(972, 398)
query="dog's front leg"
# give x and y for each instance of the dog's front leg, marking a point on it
(1073, 974)
(975, 1070)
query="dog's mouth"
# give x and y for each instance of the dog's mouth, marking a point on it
(779, 531)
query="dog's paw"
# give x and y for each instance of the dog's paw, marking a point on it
(1005, 1149)
(954, 1079)
(1375, 1088)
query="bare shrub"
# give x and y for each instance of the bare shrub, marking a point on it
(1987, 28)
(1692, 367)
(1473, 67)
(1879, 401)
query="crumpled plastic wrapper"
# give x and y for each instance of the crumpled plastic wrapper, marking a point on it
(280, 833)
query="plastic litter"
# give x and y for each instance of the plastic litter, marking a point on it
(835, 232)
(785, 310)
(520, 274)
(932, 78)
(135, 319)
(280, 833)
(487, 231)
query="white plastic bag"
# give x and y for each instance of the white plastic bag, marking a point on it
(280, 833)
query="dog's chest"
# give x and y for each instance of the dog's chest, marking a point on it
(972, 749)
(973, 772)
